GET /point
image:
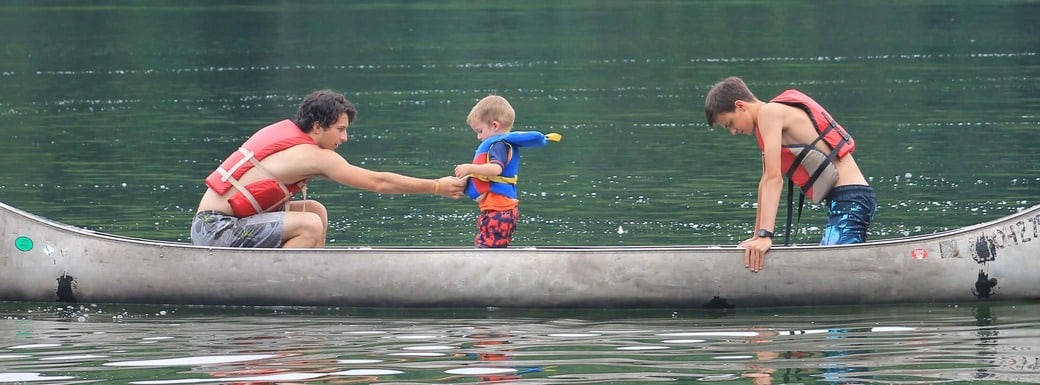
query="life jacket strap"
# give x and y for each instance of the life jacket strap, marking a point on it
(496, 178)
(823, 166)
(267, 174)
(812, 178)
(241, 188)
(788, 228)
(226, 175)
(244, 190)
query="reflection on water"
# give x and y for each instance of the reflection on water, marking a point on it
(176, 345)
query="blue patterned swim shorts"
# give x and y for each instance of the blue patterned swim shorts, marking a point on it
(851, 210)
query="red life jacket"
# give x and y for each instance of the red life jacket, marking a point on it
(266, 194)
(808, 167)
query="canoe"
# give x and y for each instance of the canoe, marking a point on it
(43, 260)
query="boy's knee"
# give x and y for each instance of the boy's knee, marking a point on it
(317, 208)
(314, 222)
(308, 231)
(310, 206)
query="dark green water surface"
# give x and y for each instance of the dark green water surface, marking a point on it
(112, 114)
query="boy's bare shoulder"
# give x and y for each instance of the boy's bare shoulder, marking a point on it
(777, 108)
(774, 111)
(794, 120)
(305, 159)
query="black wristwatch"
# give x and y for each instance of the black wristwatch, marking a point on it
(763, 233)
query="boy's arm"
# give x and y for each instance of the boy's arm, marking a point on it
(335, 167)
(486, 169)
(770, 126)
(498, 156)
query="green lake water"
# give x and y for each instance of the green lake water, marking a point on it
(113, 112)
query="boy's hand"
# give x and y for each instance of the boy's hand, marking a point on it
(755, 252)
(462, 170)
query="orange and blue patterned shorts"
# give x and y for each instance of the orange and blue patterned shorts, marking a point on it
(495, 228)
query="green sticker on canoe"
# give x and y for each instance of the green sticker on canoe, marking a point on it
(23, 243)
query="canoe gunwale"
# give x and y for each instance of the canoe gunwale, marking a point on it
(613, 248)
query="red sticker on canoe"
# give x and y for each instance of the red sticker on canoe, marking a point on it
(919, 253)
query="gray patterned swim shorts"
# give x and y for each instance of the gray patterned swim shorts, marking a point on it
(214, 228)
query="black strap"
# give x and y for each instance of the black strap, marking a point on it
(805, 152)
(823, 166)
(812, 178)
(790, 212)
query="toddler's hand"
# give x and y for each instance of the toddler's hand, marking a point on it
(461, 170)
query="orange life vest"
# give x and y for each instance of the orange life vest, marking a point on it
(266, 194)
(804, 164)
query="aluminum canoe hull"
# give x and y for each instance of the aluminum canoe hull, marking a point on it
(43, 260)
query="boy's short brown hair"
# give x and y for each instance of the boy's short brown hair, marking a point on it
(493, 108)
(723, 96)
